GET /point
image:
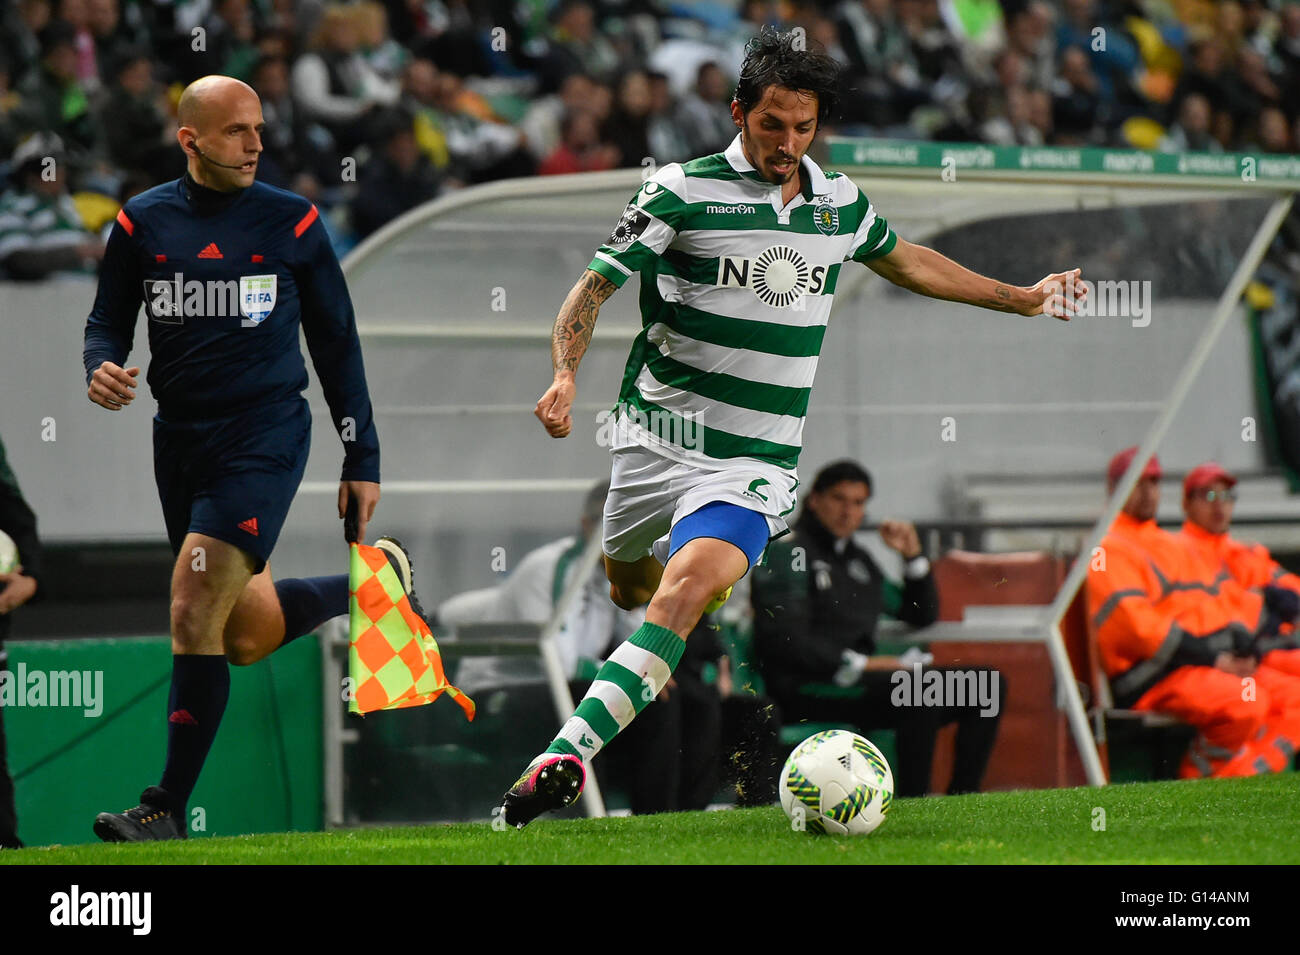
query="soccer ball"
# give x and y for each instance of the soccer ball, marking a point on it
(8, 553)
(836, 782)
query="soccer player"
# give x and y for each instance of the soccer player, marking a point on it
(228, 269)
(739, 253)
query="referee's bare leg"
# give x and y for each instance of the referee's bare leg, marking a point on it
(205, 592)
(207, 580)
(255, 625)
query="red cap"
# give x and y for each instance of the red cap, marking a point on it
(1203, 475)
(1120, 462)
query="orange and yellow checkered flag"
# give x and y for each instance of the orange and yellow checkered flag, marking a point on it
(393, 659)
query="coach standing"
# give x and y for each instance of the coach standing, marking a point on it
(227, 269)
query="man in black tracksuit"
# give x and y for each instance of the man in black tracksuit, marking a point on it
(816, 602)
(16, 588)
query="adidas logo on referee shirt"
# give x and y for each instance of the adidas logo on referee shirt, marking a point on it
(211, 252)
(249, 525)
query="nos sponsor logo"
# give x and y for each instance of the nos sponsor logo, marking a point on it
(779, 276)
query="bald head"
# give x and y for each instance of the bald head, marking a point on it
(213, 96)
(220, 131)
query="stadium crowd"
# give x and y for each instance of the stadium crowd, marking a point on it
(374, 107)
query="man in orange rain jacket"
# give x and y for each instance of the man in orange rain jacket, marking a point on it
(1209, 493)
(1170, 644)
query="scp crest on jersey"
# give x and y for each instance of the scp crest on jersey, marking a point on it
(629, 227)
(826, 217)
(256, 298)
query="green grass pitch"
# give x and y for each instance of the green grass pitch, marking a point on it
(1249, 821)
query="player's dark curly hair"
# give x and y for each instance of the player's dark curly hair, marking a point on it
(777, 58)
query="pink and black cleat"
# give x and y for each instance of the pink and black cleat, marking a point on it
(552, 782)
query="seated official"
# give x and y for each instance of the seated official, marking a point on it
(817, 600)
(1209, 495)
(1180, 639)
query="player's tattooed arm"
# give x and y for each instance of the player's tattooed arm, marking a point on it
(577, 320)
(923, 270)
(1002, 298)
(569, 341)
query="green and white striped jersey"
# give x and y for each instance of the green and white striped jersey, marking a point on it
(31, 222)
(736, 292)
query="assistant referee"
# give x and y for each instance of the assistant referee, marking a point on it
(228, 269)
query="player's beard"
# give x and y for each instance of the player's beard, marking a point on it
(763, 169)
(793, 173)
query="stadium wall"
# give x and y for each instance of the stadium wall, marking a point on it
(264, 773)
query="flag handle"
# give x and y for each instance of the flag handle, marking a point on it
(350, 521)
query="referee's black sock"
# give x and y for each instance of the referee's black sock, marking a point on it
(200, 689)
(307, 602)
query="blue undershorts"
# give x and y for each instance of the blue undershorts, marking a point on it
(732, 523)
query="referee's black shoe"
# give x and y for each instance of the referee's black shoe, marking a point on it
(150, 821)
(400, 560)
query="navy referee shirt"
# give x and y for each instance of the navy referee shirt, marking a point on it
(226, 279)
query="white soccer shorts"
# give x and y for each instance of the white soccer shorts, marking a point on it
(649, 493)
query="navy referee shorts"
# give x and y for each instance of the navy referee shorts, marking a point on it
(232, 478)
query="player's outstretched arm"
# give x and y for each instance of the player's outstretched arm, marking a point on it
(920, 269)
(569, 340)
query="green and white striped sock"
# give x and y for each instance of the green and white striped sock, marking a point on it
(631, 677)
